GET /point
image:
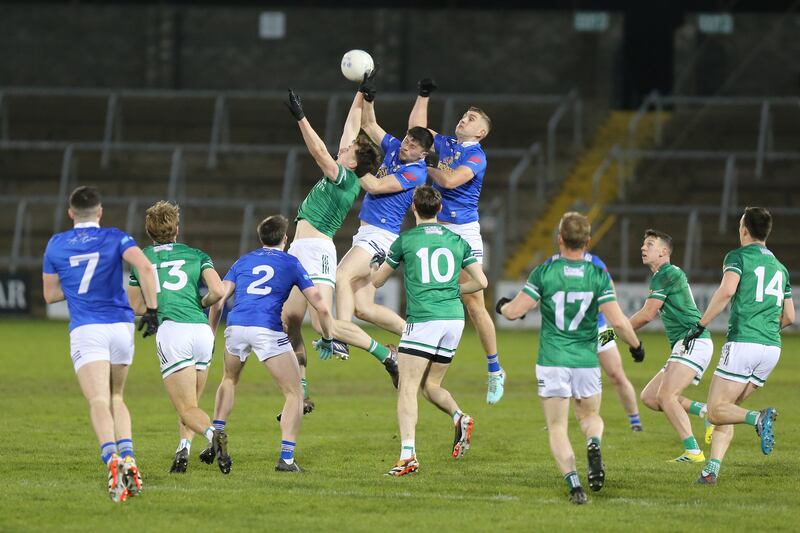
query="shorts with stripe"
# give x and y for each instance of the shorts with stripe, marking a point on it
(265, 343)
(566, 382)
(747, 362)
(470, 232)
(435, 340)
(374, 239)
(698, 357)
(180, 345)
(318, 257)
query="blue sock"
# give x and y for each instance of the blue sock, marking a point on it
(107, 449)
(493, 362)
(218, 424)
(287, 451)
(125, 447)
(634, 418)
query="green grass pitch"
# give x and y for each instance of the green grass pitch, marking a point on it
(52, 478)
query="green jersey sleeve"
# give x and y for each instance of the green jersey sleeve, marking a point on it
(395, 252)
(134, 279)
(605, 292)
(340, 177)
(533, 287)
(734, 262)
(205, 261)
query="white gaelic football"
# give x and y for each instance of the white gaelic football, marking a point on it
(355, 64)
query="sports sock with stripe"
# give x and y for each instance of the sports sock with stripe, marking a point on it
(456, 416)
(107, 449)
(407, 450)
(304, 383)
(752, 417)
(593, 440)
(287, 451)
(493, 363)
(378, 350)
(572, 479)
(125, 447)
(634, 419)
(698, 409)
(712, 467)
(209, 433)
(184, 443)
(218, 424)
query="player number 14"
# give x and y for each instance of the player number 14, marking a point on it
(774, 287)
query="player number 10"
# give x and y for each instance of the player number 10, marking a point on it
(430, 265)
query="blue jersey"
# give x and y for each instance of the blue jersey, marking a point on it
(460, 205)
(601, 320)
(387, 211)
(88, 261)
(264, 278)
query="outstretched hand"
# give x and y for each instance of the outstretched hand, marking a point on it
(367, 86)
(426, 86)
(295, 106)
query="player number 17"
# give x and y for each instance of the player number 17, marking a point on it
(585, 298)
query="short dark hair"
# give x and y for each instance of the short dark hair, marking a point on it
(659, 235)
(368, 157)
(758, 222)
(428, 201)
(272, 230)
(84, 198)
(422, 135)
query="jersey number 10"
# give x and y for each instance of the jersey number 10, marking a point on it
(430, 265)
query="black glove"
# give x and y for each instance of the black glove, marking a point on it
(693, 333)
(367, 85)
(149, 322)
(426, 87)
(378, 259)
(295, 106)
(432, 159)
(637, 353)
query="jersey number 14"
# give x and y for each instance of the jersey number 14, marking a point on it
(773, 288)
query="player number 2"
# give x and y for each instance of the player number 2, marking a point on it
(430, 264)
(571, 297)
(259, 286)
(773, 287)
(91, 264)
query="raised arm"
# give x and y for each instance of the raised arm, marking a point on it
(451, 178)
(419, 113)
(353, 122)
(370, 124)
(316, 146)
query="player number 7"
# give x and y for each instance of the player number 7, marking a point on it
(91, 265)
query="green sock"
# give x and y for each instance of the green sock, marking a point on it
(304, 383)
(690, 444)
(751, 418)
(379, 351)
(697, 409)
(712, 467)
(572, 479)
(594, 440)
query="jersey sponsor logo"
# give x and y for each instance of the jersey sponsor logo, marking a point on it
(573, 272)
(409, 176)
(433, 230)
(163, 247)
(474, 159)
(82, 238)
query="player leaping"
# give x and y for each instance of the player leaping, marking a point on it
(318, 219)
(84, 267)
(385, 205)
(459, 178)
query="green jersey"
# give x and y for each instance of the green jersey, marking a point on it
(570, 292)
(757, 305)
(679, 312)
(433, 257)
(328, 202)
(178, 271)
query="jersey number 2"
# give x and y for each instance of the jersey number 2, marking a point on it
(259, 286)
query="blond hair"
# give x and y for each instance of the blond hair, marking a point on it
(575, 230)
(161, 222)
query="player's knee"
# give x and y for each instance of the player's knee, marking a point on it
(650, 400)
(714, 413)
(99, 402)
(665, 395)
(362, 312)
(616, 376)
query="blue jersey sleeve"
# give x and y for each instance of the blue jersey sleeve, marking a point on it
(47, 264)
(412, 175)
(389, 143)
(231, 275)
(475, 160)
(439, 142)
(125, 242)
(302, 279)
(599, 262)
